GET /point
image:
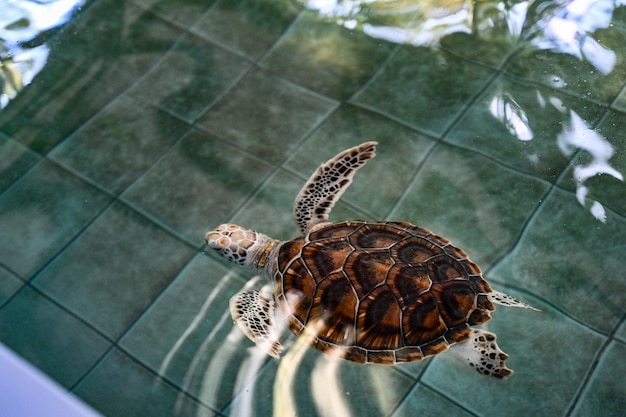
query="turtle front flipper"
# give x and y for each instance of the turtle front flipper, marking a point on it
(253, 313)
(482, 353)
(508, 300)
(318, 196)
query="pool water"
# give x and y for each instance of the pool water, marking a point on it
(129, 128)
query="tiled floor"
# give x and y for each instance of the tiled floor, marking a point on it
(155, 120)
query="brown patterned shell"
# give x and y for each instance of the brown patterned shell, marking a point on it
(380, 292)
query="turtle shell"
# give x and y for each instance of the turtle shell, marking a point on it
(382, 292)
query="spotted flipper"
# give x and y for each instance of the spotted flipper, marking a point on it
(482, 353)
(508, 300)
(318, 196)
(253, 313)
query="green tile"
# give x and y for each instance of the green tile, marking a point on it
(478, 204)
(619, 17)
(191, 76)
(571, 260)
(184, 12)
(603, 153)
(115, 42)
(42, 212)
(604, 394)
(575, 75)
(115, 270)
(15, 160)
(59, 100)
(620, 101)
(188, 336)
(270, 211)
(274, 202)
(423, 401)
(49, 337)
(549, 353)
(325, 57)
(380, 184)
(273, 129)
(120, 143)
(307, 383)
(489, 45)
(9, 284)
(248, 27)
(197, 185)
(621, 332)
(424, 88)
(519, 124)
(120, 387)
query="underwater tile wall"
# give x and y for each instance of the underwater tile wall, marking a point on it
(153, 121)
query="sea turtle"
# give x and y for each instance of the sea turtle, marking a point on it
(369, 292)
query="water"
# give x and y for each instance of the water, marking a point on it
(130, 128)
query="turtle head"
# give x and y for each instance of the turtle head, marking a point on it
(243, 246)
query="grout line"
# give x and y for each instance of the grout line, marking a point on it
(255, 67)
(525, 227)
(223, 94)
(281, 164)
(394, 119)
(433, 147)
(613, 103)
(347, 99)
(452, 400)
(17, 276)
(405, 396)
(117, 197)
(280, 37)
(92, 368)
(471, 103)
(17, 179)
(157, 297)
(416, 381)
(372, 78)
(69, 312)
(81, 231)
(123, 91)
(582, 388)
(161, 15)
(113, 199)
(145, 368)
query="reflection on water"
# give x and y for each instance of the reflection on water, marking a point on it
(506, 110)
(565, 27)
(569, 27)
(22, 53)
(559, 26)
(576, 135)
(413, 22)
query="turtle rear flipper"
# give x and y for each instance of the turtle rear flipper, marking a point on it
(253, 313)
(318, 196)
(482, 353)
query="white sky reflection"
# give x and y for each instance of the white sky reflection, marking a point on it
(577, 135)
(22, 21)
